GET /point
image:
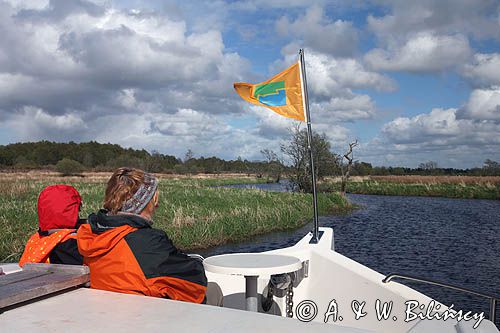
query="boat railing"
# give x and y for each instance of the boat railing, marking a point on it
(493, 299)
(196, 256)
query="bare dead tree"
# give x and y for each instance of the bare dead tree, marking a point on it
(345, 163)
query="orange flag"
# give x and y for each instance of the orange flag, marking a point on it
(282, 93)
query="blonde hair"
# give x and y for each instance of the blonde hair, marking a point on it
(121, 186)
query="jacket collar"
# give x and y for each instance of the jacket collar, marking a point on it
(102, 221)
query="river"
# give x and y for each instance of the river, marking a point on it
(450, 240)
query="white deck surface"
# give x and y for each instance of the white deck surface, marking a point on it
(10, 268)
(253, 264)
(88, 310)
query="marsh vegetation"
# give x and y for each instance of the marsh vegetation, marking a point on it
(467, 187)
(193, 212)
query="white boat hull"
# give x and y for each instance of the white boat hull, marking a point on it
(333, 282)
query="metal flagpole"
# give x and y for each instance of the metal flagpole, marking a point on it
(316, 236)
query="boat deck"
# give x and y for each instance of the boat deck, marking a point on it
(89, 310)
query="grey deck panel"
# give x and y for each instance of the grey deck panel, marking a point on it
(38, 280)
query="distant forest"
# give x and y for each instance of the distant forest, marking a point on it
(94, 156)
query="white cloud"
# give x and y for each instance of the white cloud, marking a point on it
(324, 120)
(188, 123)
(436, 125)
(316, 31)
(439, 136)
(424, 52)
(28, 4)
(329, 76)
(430, 36)
(477, 18)
(484, 69)
(32, 123)
(206, 134)
(483, 104)
(337, 135)
(85, 57)
(82, 71)
(344, 109)
(260, 4)
(270, 124)
(332, 82)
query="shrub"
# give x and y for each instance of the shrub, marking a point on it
(21, 162)
(68, 167)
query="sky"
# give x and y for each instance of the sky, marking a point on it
(412, 81)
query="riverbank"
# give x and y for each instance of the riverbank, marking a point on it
(465, 187)
(192, 212)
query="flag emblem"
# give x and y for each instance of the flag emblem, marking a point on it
(271, 94)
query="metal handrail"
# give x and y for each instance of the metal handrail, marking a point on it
(196, 256)
(493, 299)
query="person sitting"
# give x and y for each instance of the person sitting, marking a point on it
(125, 254)
(55, 241)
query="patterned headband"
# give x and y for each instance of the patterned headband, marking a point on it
(142, 196)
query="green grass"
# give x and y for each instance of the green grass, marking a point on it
(192, 212)
(465, 191)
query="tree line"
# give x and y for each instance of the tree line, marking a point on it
(291, 161)
(74, 158)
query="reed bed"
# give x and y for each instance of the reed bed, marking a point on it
(193, 212)
(461, 180)
(467, 187)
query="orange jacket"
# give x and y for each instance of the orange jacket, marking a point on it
(39, 248)
(126, 255)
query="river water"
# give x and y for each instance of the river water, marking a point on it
(451, 240)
